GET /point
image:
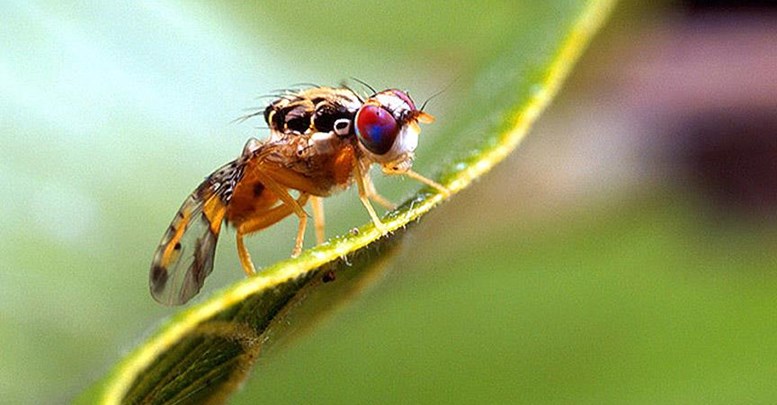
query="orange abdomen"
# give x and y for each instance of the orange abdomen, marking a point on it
(249, 198)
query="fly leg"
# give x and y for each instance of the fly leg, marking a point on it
(318, 218)
(289, 205)
(260, 222)
(296, 205)
(365, 199)
(422, 179)
(372, 194)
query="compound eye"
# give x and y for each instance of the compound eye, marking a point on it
(342, 127)
(376, 128)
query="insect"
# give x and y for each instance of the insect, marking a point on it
(322, 140)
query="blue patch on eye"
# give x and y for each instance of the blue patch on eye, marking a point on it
(376, 128)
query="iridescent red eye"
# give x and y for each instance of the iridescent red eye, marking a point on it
(376, 128)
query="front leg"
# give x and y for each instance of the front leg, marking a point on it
(372, 194)
(364, 197)
(420, 178)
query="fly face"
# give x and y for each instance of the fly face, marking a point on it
(387, 129)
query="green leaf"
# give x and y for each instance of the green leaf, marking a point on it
(206, 351)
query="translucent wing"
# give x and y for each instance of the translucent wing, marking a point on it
(185, 255)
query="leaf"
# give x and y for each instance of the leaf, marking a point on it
(206, 351)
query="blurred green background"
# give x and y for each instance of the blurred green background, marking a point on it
(625, 253)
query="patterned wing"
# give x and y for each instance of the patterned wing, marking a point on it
(185, 256)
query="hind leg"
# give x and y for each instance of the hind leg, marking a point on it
(264, 220)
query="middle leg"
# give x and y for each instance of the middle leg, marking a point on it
(318, 218)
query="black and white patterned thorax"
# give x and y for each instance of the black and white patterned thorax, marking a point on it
(318, 109)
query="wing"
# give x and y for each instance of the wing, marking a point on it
(185, 255)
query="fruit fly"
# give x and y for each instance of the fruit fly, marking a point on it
(322, 140)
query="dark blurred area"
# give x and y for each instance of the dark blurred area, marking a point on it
(704, 6)
(681, 94)
(727, 146)
(730, 155)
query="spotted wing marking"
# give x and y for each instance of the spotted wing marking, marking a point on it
(185, 255)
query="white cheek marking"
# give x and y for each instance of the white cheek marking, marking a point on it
(407, 140)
